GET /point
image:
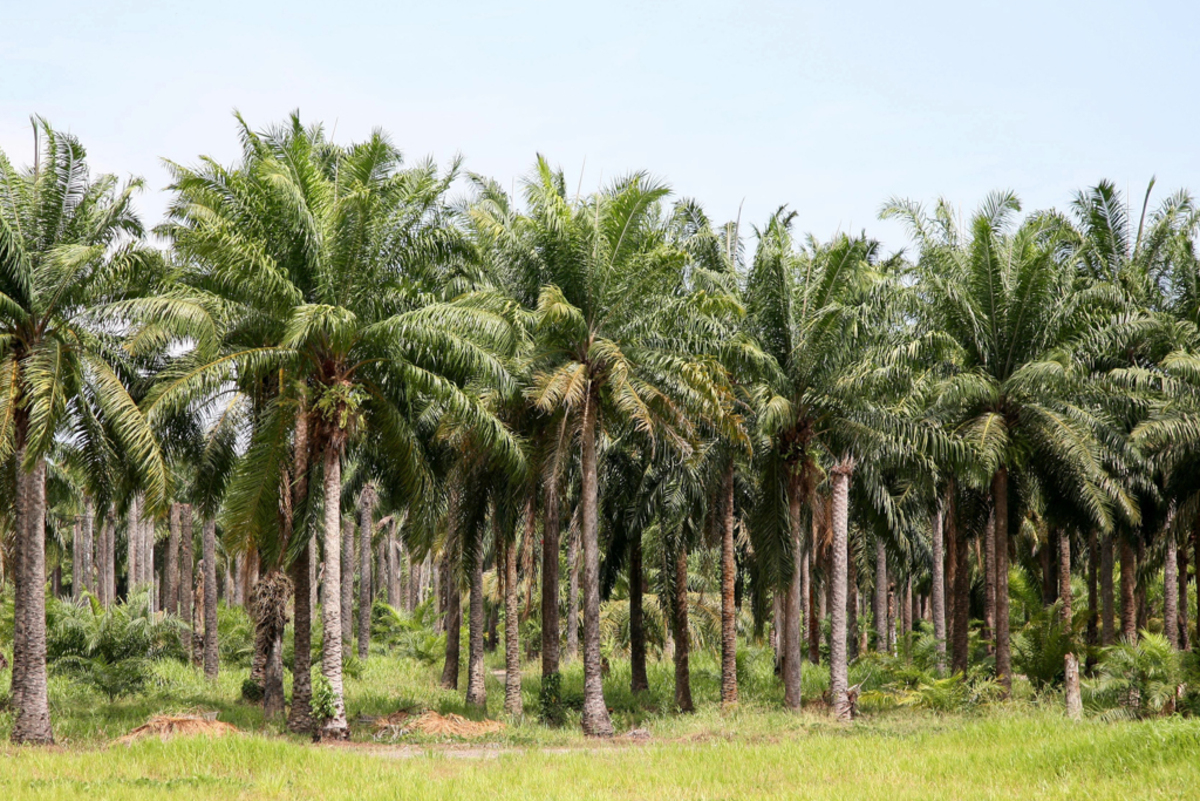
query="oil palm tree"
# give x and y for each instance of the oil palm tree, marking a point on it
(70, 264)
(323, 261)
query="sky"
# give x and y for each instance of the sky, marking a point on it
(829, 108)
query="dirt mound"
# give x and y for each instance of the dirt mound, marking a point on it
(167, 726)
(400, 723)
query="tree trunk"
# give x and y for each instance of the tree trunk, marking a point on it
(300, 715)
(881, 593)
(961, 592)
(513, 705)
(679, 622)
(77, 583)
(30, 696)
(347, 584)
(572, 594)
(529, 557)
(1108, 634)
(336, 728)
(453, 619)
(729, 687)
(1170, 589)
(1064, 577)
(596, 722)
(989, 581)
(637, 627)
(1003, 650)
(1128, 592)
(906, 616)
(393, 563)
(813, 622)
(852, 647)
(1093, 595)
(938, 588)
(1048, 554)
(187, 576)
(133, 534)
(171, 585)
(550, 528)
(89, 546)
(209, 549)
(366, 525)
(843, 706)
(1074, 697)
(792, 611)
(106, 581)
(1181, 556)
(476, 690)
(270, 611)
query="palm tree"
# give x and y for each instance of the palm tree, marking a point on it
(328, 254)
(70, 263)
(1018, 396)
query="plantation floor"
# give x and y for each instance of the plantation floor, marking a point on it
(1027, 756)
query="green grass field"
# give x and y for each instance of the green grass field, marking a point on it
(1019, 750)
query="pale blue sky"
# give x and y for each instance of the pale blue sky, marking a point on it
(828, 107)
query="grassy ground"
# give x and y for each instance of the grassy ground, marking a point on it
(1001, 751)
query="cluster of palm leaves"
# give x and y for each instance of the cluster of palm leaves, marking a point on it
(333, 360)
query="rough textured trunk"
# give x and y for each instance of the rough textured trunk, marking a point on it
(1074, 697)
(792, 611)
(476, 690)
(1143, 612)
(187, 575)
(171, 584)
(550, 529)
(453, 624)
(30, 696)
(637, 627)
(513, 704)
(133, 534)
(989, 581)
(843, 704)
(938, 589)
(812, 627)
(1108, 635)
(852, 632)
(209, 550)
(77, 584)
(300, 715)
(1170, 590)
(270, 612)
(529, 557)
(1128, 591)
(1003, 649)
(1064, 576)
(347, 583)
(906, 616)
(1181, 556)
(89, 546)
(881, 594)
(729, 687)
(596, 722)
(366, 525)
(960, 643)
(381, 570)
(1048, 555)
(679, 617)
(1093, 595)
(572, 594)
(336, 728)
(393, 563)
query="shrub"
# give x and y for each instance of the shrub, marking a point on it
(1040, 648)
(1137, 680)
(550, 700)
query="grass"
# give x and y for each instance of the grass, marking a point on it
(1014, 750)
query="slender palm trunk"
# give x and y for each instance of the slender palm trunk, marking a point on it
(171, 583)
(596, 722)
(572, 594)
(683, 675)
(30, 694)
(453, 618)
(729, 687)
(960, 641)
(89, 546)
(336, 727)
(550, 528)
(809, 582)
(366, 524)
(1093, 594)
(77, 585)
(938, 588)
(637, 626)
(852, 632)
(1181, 555)
(476, 689)
(393, 563)
(187, 576)
(843, 706)
(989, 581)
(1128, 591)
(270, 610)
(209, 550)
(792, 611)
(1108, 635)
(513, 705)
(347, 584)
(1064, 576)
(304, 580)
(881, 598)
(1171, 590)
(529, 556)
(1003, 649)
(133, 534)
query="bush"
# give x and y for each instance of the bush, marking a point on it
(235, 636)
(410, 636)
(111, 650)
(1039, 650)
(1137, 680)
(550, 700)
